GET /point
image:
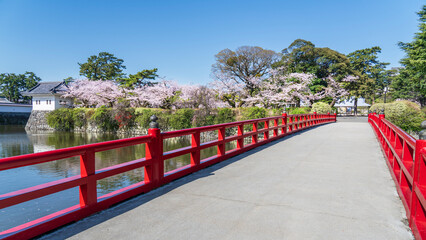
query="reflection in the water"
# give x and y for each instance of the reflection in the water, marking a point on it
(15, 141)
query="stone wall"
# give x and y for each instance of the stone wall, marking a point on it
(38, 122)
(13, 118)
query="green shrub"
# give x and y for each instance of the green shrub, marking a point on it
(143, 117)
(321, 108)
(104, 119)
(275, 112)
(300, 110)
(224, 115)
(405, 114)
(252, 113)
(377, 107)
(203, 117)
(79, 117)
(181, 119)
(61, 119)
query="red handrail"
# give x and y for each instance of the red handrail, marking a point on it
(153, 164)
(406, 160)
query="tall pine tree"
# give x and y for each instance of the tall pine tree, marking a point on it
(411, 81)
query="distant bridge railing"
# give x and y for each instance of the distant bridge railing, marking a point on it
(406, 159)
(153, 164)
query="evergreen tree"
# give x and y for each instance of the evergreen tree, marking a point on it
(411, 80)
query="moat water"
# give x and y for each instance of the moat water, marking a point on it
(14, 140)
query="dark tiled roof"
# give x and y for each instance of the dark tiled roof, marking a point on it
(46, 88)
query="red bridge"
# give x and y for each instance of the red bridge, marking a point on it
(314, 174)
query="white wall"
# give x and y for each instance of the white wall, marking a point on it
(40, 102)
(18, 108)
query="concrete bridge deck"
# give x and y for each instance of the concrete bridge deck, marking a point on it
(329, 182)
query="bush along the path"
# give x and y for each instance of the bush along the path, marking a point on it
(405, 114)
(126, 119)
(321, 108)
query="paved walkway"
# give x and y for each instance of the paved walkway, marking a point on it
(330, 182)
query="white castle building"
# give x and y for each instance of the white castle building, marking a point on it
(46, 96)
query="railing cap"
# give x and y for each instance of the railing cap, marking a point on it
(153, 123)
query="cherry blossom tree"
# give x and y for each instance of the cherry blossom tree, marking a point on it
(334, 89)
(195, 96)
(98, 93)
(283, 89)
(161, 95)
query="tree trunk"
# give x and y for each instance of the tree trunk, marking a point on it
(298, 103)
(356, 106)
(333, 102)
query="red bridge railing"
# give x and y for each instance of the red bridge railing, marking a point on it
(153, 164)
(406, 159)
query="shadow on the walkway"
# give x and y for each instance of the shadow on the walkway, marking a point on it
(74, 228)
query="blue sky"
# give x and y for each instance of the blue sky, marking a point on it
(182, 37)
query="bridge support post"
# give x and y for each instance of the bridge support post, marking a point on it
(276, 129)
(195, 143)
(284, 123)
(154, 172)
(221, 137)
(254, 137)
(88, 191)
(240, 142)
(381, 116)
(266, 134)
(316, 118)
(417, 214)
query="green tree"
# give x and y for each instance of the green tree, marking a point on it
(411, 81)
(68, 80)
(140, 79)
(240, 67)
(370, 73)
(304, 57)
(11, 85)
(104, 66)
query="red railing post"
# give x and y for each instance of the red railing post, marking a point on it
(88, 191)
(304, 121)
(295, 122)
(240, 142)
(335, 117)
(266, 134)
(284, 122)
(315, 118)
(154, 172)
(419, 180)
(221, 138)
(254, 136)
(195, 143)
(381, 125)
(275, 125)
